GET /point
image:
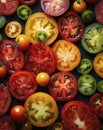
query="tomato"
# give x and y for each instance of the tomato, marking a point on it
(63, 86)
(28, 2)
(41, 109)
(85, 66)
(98, 64)
(55, 126)
(40, 22)
(40, 58)
(2, 21)
(22, 84)
(1, 37)
(76, 115)
(23, 42)
(12, 58)
(91, 1)
(3, 70)
(68, 55)
(42, 78)
(5, 99)
(13, 29)
(87, 84)
(6, 123)
(96, 104)
(79, 6)
(100, 86)
(17, 113)
(92, 40)
(55, 7)
(70, 26)
(8, 7)
(27, 126)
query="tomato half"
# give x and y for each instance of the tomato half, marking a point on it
(63, 86)
(28, 2)
(41, 109)
(12, 58)
(8, 7)
(5, 99)
(76, 115)
(71, 27)
(68, 55)
(55, 7)
(96, 104)
(22, 84)
(98, 64)
(40, 58)
(39, 22)
(6, 123)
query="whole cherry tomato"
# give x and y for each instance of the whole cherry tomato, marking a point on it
(3, 70)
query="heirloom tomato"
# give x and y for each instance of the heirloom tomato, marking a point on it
(28, 2)
(41, 109)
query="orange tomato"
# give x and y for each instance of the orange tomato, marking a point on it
(23, 42)
(79, 6)
(3, 70)
(42, 78)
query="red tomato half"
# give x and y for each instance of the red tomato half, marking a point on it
(5, 99)
(55, 7)
(40, 58)
(22, 84)
(8, 7)
(96, 104)
(71, 27)
(6, 123)
(27, 2)
(11, 56)
(63, 86)
(76, 115)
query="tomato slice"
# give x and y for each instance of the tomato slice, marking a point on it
(55, 7)
(22, 84)
(5, 99)
(40, 58)
(40, 22)
(68, 55)
(11, 56)
(28, 2)
(6, 123)
(71, 27)
(63, 86)
(96, 104)
(8, 7)
(41, 109)
(76, 115)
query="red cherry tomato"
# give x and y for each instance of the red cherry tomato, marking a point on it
(28, 2)
(3, 70)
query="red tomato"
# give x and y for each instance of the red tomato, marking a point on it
(71, 27)
(12, 58)
(28, 2)
(6, 123)
(8, 7)
(17, 113)
(63, 86)
(55, 7)
(91, 1)
(76, 115)
(96, 104)
(22, 84)
(40, 58)
(5, 99)
(3, 70)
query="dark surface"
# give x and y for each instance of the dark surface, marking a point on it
(36, 8)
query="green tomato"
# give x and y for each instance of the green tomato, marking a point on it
(87, 85)
(0, 37)
(100, 86)
(2, 21)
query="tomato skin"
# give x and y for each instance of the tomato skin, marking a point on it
(30, 2)
(79, 6)
(3, 70)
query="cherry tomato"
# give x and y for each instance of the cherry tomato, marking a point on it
(17, 113)
(26, 126)
(28, 2)
(77, 115)
(3, 70)
(23, 42)
(42, 78)
(41, 109)
(79, 6)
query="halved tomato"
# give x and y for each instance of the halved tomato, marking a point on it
(41, 109)
(71, 27)
(28, 2)
(68, 55)
(40, 58)
(55, 7)
(76, 115)
(22, 84)
(63, 86)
